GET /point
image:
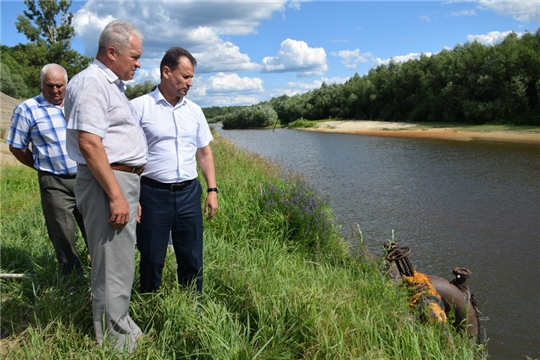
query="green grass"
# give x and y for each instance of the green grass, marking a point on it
(301, 123)
(280, 283)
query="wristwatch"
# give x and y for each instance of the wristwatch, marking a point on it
(213, 189)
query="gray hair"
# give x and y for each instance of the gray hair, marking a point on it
(51, 66)
(117, 34)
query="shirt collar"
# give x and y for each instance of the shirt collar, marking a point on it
(111, 77)
(42, 102)
(158, 97)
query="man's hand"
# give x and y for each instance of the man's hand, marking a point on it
(211, 206)
(119, 212)
(139, 213)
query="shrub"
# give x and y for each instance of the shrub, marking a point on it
(255, 116)
(307, 214)
(301, 123)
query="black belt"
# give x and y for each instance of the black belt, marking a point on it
(167, 186)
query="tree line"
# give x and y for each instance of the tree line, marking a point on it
(470, 84)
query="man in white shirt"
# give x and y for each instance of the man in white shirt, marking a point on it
(107, 142)
(178, 137)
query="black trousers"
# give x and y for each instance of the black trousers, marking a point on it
(176, 215)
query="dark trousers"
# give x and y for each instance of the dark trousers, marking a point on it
(170, 214)
(61, 214)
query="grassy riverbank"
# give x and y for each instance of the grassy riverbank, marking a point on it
(279, 284)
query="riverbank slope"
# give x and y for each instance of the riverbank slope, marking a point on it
(398, 129)
(278, 283)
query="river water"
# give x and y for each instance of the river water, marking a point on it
(470, 204)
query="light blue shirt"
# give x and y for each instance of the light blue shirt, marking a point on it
(173, 133)
(95, 103)
(41, 123)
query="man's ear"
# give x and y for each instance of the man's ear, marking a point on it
(166, 71)
(111, 52)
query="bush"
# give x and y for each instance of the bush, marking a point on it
(301, 123)
(12, 84)
(306, 213)
(256, 116)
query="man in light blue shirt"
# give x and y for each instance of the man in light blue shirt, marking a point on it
(178, 138)
(40, 121)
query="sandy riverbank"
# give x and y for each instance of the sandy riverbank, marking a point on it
(396, 129)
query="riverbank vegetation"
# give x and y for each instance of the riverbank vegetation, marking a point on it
(472, 84)
(280, 283)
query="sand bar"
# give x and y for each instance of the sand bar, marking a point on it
(397, 129)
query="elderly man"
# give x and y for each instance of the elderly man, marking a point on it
(40, 121)
(178, 137)
(108, 144)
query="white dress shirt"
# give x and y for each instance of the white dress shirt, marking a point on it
(173, 134)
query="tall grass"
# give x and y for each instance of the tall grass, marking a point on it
(280, 283)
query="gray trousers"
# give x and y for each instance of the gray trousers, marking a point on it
(112, 252)
(61, 213)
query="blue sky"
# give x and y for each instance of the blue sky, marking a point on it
(250, 51)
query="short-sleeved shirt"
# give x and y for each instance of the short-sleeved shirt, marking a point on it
(95, 103)
(173, 133)
(42, 124)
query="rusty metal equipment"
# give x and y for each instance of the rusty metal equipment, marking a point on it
(399, 255)
(455, 294)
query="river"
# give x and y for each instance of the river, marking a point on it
(471, 204)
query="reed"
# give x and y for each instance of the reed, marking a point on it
(279, 283)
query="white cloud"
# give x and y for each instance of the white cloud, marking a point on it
(351, 58)
(401, 58)
(203, 30)
(425, 18)
(227, 83)
(463, 13)
(297, 56)
(175, 23)
(491, 38)
(223, 56)
(143, 75)
(520, 10)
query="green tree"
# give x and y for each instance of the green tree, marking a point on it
(12, 84)
(48, 26)
(45, 27)
(255, 116)
(135, 91)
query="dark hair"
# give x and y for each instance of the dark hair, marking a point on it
(171, 59)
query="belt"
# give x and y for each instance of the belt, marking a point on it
(61, 176)
(167, 186)
(130, 169)
(65, 176)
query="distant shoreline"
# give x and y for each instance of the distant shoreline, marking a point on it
(394, 129)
